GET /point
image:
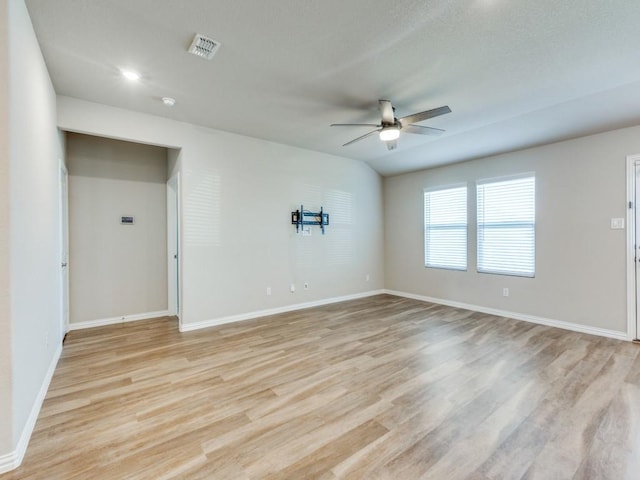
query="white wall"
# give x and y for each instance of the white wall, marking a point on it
(116, 270)
(580, 262)
(34, 153)
(6, 418)
(237, 195)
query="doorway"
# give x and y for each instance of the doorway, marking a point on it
(120, 206)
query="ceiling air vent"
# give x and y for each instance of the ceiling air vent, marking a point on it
(204, 47)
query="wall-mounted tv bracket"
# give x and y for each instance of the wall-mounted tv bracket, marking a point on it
(302, 217)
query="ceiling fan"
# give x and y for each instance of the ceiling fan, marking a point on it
(390, 127)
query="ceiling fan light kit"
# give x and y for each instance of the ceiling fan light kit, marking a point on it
(389, 133)
(389, 127)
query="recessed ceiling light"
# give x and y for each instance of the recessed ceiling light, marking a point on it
(130, 75)
(168, 101)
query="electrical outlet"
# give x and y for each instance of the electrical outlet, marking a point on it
(292, 287)
(505, 292)
(306, 286)
(268, 291)
(367, 277)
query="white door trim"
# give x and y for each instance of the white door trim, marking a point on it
(174, 282)
(632, 324)
(64, 246)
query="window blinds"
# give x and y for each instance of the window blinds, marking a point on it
(445, 228)
(506, 226)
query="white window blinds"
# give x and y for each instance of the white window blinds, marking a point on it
(506, 226)
(445, 228)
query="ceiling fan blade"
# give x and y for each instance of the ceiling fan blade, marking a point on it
(360, 138)
(386, 112)
(354, 125)
(418, 117)
(419, 129)
(391, 144)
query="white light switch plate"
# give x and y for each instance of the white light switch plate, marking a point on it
(617, 223)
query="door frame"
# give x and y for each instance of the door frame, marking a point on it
(174, 282)
(632, 313)
(64, 245)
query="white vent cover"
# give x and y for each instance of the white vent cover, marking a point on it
(204, 47)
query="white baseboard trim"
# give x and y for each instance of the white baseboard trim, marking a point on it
(115, 320)
(574, 327)
(9, 461)
(13, 459)
(187, 327)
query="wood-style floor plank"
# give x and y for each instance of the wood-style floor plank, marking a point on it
(378, 388)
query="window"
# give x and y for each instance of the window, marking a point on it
(445, 228)
(506, 226)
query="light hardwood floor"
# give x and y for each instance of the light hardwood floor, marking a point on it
(379, 388)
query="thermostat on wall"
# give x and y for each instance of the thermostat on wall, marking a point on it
(127, 220)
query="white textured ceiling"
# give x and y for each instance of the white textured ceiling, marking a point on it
(515, 73)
